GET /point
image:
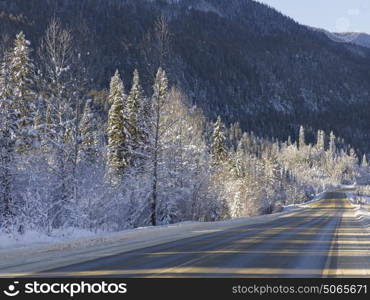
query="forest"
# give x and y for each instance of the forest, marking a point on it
(129, 156)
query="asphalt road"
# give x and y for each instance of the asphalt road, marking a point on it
(324, 240)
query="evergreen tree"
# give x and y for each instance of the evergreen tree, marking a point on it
(159, 99)
(8, 131)
(6, 175)
(135, 101)
(37, 119)
(320, 145)
(22, 79)
(218, 143)
(7, 142)
(301, 141)
(116, 131)
(332, 145)
(37, 127)
(88, 149)
(364, 162)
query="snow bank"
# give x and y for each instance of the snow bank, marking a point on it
(317, 198)
(361, 204)
(17, 241)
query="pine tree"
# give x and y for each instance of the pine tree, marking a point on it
(289, 141)
(8, 127)
(364, 162)
(301, 142)
(37, 127)
(320, 145)
(116, 130)
(22, 79)
(332, 145)
(37, 119)
(218, 143)
(8, 131)
(135, 101)
(159, 99)
(88, 149)
(6, 174)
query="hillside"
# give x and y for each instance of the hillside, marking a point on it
(240, 59)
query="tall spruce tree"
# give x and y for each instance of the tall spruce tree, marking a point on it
(88, 149)
(332, 145)
(320, 145)
(159, 99)
(364, 162)
(6, 174)
(22, 79)
(116, 129)
(218, 143)
(133, 106)
(301, 141)
(16, 115)
(8, 127)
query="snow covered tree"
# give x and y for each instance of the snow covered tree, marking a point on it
(301, 141)
(37, 119)
(7, 167)
(320, 144)
(135, 101)
(116, 130)
(183, 161)
(160, 95)
(364, 162)
(21, 71)
(10, 99)
(61, 136)
(332, 144)
(88, 150)
(218, 149)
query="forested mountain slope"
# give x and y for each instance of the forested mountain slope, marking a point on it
(240, 59)
(361, 39)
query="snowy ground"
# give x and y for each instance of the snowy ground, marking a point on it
(361, 204)
(318, 197)
(34, 252)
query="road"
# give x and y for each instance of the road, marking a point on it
(324, 240)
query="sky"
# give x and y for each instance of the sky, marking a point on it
(332, 15)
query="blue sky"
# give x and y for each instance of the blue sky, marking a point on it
(333, 15)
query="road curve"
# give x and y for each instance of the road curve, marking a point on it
(324, 240)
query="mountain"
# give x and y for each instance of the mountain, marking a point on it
(361, 39)
(236, 58)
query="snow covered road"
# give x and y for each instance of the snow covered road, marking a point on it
(324, 239)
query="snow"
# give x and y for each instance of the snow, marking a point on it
(306, 204)
(17, 241)
(33, 252)
(361, 204)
